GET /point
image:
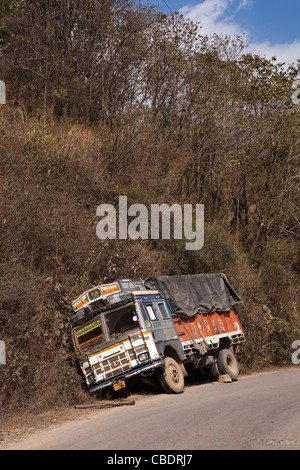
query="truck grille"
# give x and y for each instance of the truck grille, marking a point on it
(118, 363)
(115, 364)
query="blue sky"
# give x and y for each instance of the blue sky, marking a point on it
(272, 27)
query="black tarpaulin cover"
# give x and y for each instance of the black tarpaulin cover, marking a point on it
(195, 293)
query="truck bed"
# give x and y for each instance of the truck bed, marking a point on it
(209, 327)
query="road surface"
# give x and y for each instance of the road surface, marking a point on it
(260, 411)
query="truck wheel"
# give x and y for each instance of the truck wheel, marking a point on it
(227, 363)
(171, 377)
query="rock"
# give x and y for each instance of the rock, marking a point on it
(224, 379)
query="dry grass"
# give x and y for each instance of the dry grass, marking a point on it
(52, 180)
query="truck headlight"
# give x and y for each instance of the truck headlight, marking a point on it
(143, 357)
(91, 379)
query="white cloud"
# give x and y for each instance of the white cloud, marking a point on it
(244, 4)
(210, 14)
(213, 17)
(288, 53)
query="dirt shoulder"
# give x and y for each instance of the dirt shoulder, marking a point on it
(19, 427)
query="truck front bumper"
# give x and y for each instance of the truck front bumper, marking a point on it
(127, 375)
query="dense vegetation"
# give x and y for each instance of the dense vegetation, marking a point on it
(107, 98)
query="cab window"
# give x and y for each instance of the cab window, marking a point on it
(163, 311)
(151, 312)
(144, 313)
(89, 333)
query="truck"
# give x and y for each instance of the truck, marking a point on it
(160, 330)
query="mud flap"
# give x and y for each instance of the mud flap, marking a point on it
(215, 371)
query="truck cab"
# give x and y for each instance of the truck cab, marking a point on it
(172, 325)
(120, 331)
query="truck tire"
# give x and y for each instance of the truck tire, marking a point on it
(227, 363)
(171, 377)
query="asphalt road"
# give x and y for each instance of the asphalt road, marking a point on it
(260, 411)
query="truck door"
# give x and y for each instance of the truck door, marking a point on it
(162, 324)
(157, 317)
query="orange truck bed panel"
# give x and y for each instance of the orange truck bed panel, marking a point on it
(206, 325)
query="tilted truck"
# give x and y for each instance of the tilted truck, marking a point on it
(162, 328)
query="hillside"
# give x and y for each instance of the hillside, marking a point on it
(111, 99)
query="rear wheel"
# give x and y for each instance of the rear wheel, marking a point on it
(227, 363)
(171, 377)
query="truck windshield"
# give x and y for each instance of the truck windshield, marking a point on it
(121, 320)
(90, 333)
